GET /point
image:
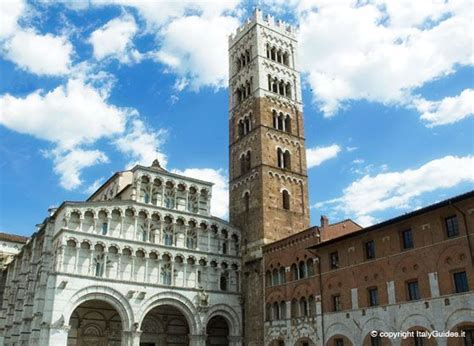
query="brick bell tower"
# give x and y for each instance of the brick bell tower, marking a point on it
(267, 155)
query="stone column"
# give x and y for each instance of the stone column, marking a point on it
(197, 340)
(131, 338)
(58, 335)
(234, 340)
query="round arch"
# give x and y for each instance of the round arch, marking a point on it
(338, 329)
(176, 300)
(228, 314)
(102, 293)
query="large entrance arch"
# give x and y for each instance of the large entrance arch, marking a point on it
(164, 325)
(217, 331)
(95, 322)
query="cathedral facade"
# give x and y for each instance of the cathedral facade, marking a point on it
(142, 262)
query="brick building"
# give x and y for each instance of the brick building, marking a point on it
(335, 283)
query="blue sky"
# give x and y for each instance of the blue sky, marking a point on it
(90, 88)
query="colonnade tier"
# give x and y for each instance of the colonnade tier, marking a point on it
(88, 215)
(75, 240)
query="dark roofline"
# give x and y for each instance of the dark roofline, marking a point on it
(14, 238)
(399, 218)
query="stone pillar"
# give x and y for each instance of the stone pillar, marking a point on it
(131, 338)
(58, 335)
(391, 292)
(355, 298)
(197, 340)
(235, 340)
(434, 286)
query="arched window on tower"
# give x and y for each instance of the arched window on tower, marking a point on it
(223, 282)
(286, 59)
(288, 90)
(242, 164)
(276, 311)
(273, 54)
(287, 160)
(288, 123)
(281, 88)
(280, 158)
(275, 119)
(280, 121)
(241, 128)
(248, 161)
(286, 199)
(247, 124)
(247, 201)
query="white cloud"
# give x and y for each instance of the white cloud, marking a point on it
(10, 12)
(115, 39)
(142, 145)
(380, 50)
(68, 116)
(390, 190)
(40, 54)
(220, 189)
(447, 111)
(195, 48)
(316, 156)
(70, 165)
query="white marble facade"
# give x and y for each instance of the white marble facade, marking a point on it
(141, 262)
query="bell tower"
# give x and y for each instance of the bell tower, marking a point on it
(267, 155)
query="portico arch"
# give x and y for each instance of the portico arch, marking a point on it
(177, 301)
(104, 294)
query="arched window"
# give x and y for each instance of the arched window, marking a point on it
(311, 306)
(247, 124)
(247, 201)
(166, 274)
(275, 119)
(191, 240)
(268, 312)
(288, 90)
(287, 160)
(286, 59)
(281, 88)
(303, 307)
(224, 247)
(294, 308)
(281, 273)
(105, 227)
(286, 200)
(310, 267)
(288, 123)
(302, 270)
(276, 311)
(294, 271)
(241, 128)
(242, 164)
(280, 121)
(248, 161)
(280, 158)
(223, 282)
(275, 280)
(268, 278)
(275, 85)
(283, 310)
(273, 54)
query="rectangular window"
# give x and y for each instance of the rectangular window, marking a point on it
(452, 227)
(334, 259)
(199, 277)
(373, 296)
(370, 250)
(336, 302)
(413, 290)
(407, 238)
(460, 282)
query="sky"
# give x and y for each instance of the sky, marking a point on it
(88, 88)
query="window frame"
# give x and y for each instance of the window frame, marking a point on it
(366, 249)
(465, 281)
(406, 246)
(409, 291)
(452, 229)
